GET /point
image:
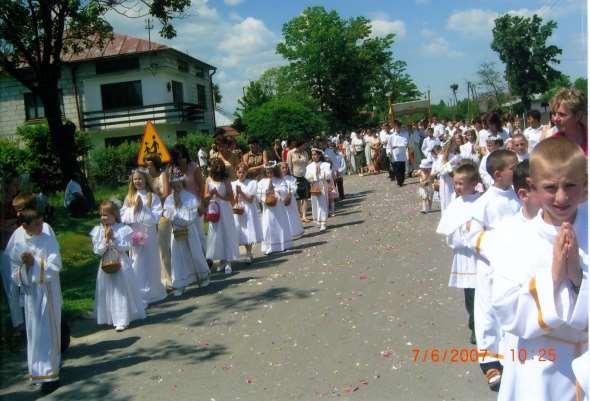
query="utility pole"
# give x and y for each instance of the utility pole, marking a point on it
(149, 26)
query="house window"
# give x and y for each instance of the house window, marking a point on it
(201, 96)
(116, 65)
(122, 95)
(182, 66)
(34, 108)
(177, 93)
(200, 72)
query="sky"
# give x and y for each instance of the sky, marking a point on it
(442, 41)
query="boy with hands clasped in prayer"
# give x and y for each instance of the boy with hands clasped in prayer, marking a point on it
(540, 293)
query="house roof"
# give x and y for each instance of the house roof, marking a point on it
(120, 45)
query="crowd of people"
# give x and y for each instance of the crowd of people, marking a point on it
(516, 219)
(153, 243)
(496, 184)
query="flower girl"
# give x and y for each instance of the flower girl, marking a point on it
(246, 215)
(318, 174)
(290, 183)
(187, 261)
(142, 210)
(117, 298)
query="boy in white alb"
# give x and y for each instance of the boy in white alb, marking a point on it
(498, 202)
(492, 143)
(455, 225)
(540, 292)
(35, 264)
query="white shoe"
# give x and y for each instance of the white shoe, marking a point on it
(178, 292)
(120, 328)
(227, 269)
(323, 227)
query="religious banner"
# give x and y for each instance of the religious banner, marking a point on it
(414, 106)
(152, 143)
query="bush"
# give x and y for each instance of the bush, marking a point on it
(41, 161)
(112, 165)
(196, 140)
(12, 161)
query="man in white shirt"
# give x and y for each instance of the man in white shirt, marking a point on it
(439, 129)
(533, 133)
(398, 144)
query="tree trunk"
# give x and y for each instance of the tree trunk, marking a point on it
(62, 137)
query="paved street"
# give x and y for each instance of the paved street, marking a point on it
(336, 318)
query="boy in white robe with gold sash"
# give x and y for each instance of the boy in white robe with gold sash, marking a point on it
(540, 290)
(35, 264)
(497, 203)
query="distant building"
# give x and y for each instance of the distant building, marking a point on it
(110, 93)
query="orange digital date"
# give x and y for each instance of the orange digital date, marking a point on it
(448, 355)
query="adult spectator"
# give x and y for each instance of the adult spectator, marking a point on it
(297, 160)
(255, 159)
(533, 133)
(75, 201)
(398, 145)
(569, 107)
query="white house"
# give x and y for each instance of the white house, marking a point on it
(110, 93)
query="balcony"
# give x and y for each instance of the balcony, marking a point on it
(137, 116)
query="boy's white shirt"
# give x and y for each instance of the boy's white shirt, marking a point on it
(528, 307)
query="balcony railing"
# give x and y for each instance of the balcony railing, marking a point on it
(134, 116)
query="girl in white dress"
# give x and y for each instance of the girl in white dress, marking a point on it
(318, 174)
(187, 258)
(292, 213)
(222, 238)
(276, 232)
(246, 215)
(117, 299)
(142, 210)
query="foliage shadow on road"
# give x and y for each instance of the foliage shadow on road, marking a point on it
(245, 302)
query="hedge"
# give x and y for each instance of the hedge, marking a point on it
(112, 165)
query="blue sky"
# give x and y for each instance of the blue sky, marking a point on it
(442, 41)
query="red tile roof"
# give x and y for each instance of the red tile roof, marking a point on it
(119, 45)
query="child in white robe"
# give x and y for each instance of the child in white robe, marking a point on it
(540, 293)
(520, 146)
(35, 265)
(117, 299)
(188, 262)
(492, 143)
(425, 189)
(455, 225)
(222, 238)
(318, 173)
(497, 203)
(142, 210)
(290, 204)
(246, 214)
(276, 231)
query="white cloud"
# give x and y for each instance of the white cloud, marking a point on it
(426, 33)
(383, 26)
(247, 37)
(232, 2)
(472, 22)
(439, 47)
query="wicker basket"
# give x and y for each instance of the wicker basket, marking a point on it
(238, 210)
(315, 189)
(270, 200)
(110, 262)
(180, 233)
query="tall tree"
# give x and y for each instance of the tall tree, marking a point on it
(521, 43)
(35, 34)
(491, 80)
(337, 60)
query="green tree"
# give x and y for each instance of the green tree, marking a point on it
(562, 81)
(395, 83)
(283, 117)
(255, 95)
(491, 80)
(521, 44)
(582, 85)
(34, 35)
(217, 94)
(336, 59)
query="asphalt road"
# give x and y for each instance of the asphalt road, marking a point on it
(342, 316)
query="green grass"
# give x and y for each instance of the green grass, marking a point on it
(78, 275)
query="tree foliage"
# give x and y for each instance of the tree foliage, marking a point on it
(336, 59)
(35, 34)
(284, 117)
(521, 43)
(491, 80)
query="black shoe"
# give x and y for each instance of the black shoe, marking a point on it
(49, 387)
(472, 337)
